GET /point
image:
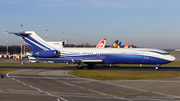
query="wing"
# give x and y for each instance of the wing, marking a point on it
(94, 60)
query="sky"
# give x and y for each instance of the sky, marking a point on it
(143, 23)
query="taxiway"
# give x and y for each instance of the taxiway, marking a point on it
(57, 85)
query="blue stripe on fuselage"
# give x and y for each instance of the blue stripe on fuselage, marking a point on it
(115, 59)
(134, 59)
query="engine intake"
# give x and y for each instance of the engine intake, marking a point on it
(46, 54)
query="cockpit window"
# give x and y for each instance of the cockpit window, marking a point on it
(160, 52)
(165, 53)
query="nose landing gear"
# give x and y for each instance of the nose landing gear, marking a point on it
(157, 66)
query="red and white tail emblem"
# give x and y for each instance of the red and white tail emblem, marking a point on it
(126, 46)
(101, 43)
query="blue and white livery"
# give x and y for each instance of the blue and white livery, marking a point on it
(54, 51)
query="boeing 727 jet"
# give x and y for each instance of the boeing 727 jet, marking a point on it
(54, 51)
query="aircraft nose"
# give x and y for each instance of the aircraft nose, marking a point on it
(172, 58)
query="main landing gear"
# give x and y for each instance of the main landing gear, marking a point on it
(79, 66)
(89, 66)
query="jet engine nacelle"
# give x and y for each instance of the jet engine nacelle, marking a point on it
(46, 54)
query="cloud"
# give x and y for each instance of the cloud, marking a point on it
(17, 18)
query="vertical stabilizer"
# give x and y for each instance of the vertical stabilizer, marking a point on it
(36, 43)
(115, 44)
(101, 43)
(119, 44)
(126, 46)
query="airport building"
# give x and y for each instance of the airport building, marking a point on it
(177, 49)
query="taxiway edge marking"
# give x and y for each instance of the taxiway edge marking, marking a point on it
(36, 88)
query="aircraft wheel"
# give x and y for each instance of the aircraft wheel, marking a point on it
(157, 68)
(79, 66)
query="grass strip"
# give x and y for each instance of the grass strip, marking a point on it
(174, 52)
(123, 75)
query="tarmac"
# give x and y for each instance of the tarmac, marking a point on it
(57, 85)
(54, 84)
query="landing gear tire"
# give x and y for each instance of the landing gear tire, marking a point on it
(90, 66)
(79, 66)
(157, 68)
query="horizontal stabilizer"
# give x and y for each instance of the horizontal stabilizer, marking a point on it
(19, 33)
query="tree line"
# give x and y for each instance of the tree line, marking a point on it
(14, 49)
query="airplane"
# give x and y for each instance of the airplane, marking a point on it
(1, 56)
(119, 45)
(54, 51)
(101, 43)
(131, 46)
(115, 44)
(31, 59)
(126, 46)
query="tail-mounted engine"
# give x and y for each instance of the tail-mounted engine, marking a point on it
(46, 54)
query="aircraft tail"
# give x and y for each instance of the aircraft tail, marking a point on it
(101, 43)
(126, 46)
(115, 44)
(131, 46)
(119, 45)
(36, 43)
